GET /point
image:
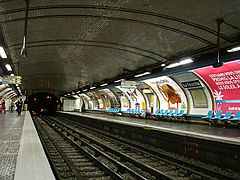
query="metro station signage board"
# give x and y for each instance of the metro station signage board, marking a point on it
(225, 85)
(129, 84)
(12, 80)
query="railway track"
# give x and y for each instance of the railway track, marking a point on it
(123, 160)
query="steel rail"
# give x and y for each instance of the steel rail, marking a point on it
(202, 171)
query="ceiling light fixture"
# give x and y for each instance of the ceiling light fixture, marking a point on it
(92, 87)
(173, 65)
(186, 61)
(143, 74)
(234, 49)
(163, 65)
(104, 84)
(8, 67)
(2, 53)
(182, 62)
(85, 90)
(119, 80)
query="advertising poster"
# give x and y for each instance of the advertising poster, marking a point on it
(171, 96)
(87, 101)
(94, 100)
(135, 97)
(99, 99)
(225, 85)
(124, 101)
(114, 101)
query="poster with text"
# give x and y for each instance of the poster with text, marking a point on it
(171, 96)
(225, 85)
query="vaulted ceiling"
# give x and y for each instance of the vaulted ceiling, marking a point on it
(75, 43)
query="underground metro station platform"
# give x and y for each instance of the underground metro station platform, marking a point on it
(119, 89)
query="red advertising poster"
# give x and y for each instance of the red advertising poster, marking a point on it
(225, 85)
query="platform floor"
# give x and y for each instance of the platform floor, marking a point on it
(21, 154)
(10, 134)
(226, 135)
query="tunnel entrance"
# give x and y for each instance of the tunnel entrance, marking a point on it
(43, 103)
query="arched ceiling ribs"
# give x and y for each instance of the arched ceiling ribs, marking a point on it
(5, 91)
(101, 43)
(6, 94)
(114, 19)
(91, 45)
(1, 90)
(134, 11)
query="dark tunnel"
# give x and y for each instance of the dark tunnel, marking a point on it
(43, 103)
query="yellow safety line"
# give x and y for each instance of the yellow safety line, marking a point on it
(146, 128)
(8, 153)
(9, 141)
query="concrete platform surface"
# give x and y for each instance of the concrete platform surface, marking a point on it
(10, 134)
(219, 134)
(32, 163)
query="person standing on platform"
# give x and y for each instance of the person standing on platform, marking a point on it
(3, 107)
(19, 107)
(12, 106)
(83, 107)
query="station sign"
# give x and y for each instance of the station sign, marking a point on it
(12, 80)
(129, 84)
(191, 84)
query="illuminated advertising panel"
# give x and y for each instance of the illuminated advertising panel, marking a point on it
(135, 97)
(224, 83)
(171, 96)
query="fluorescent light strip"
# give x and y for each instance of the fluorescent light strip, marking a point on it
(85, 90)
(2, 53)
(104, 84)
(143, 74)
(234, 49)
(92, 87)
(118, 80)
(185, 61)
(8, 67)
(173, 65)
